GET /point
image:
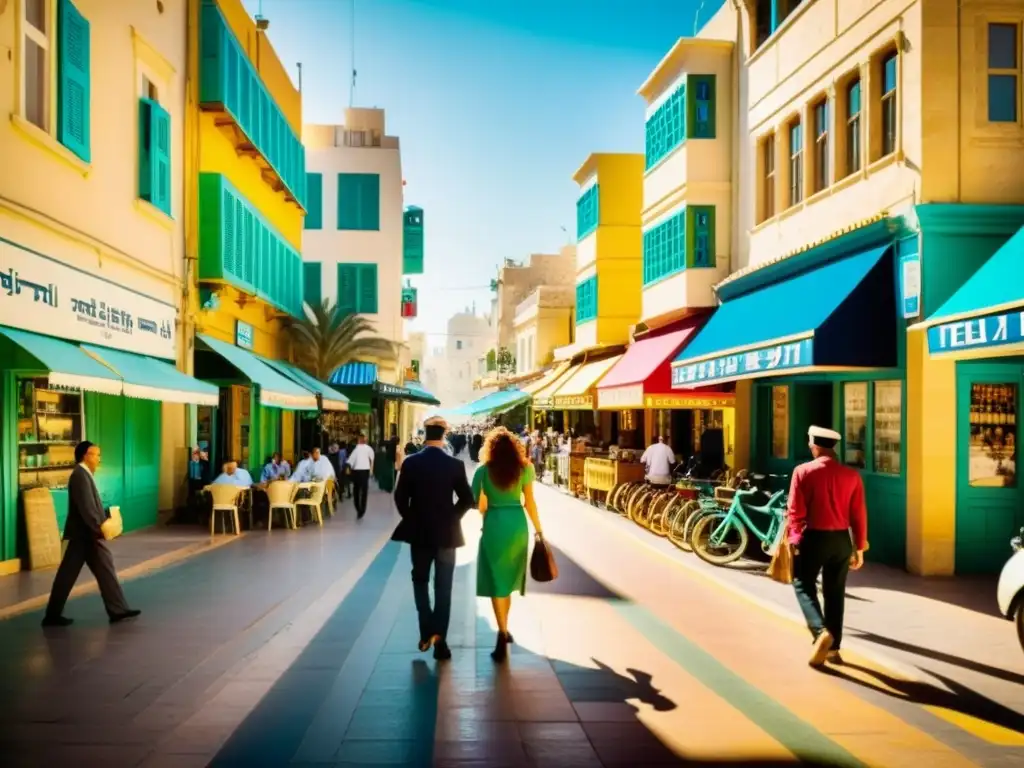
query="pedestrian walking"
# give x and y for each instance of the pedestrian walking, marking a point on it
(502, 488)
(86, 546)
(432, 526)
(828, 524)
(361, 462)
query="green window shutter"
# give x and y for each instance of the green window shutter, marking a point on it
(73, 73)
(314, 198)
(312, 275)
(348, 288)
(348, 200)
(155, 155)
(586, 300)
(588, 210)
(701, 106)
(369, 202)
(367, 289)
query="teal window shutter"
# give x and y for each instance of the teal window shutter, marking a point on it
(664, 247)
(701, 106)
(368, 289)
(370, 203)
(155, 155)
(348, 290)
(588, 212)
(666, 127)
(315, 201)
(349, 189)
(73, 73)
(701, 224)
(586, 300)
(312, 274)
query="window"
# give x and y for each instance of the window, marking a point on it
(993, 435)
(666, 127)
(35, 65)
(155, 154)
(763, 22)
(888, 426)
(855, 424)
(458, 343)
(314, 201)
(780, 422)
(665, 248)
(586, 300)
(853, 148)
(357, 288)
(1004, 73)
(768, 179)
(702, 106)
(701, 222)
(588, 209)
(889, 114)
(821, 164)
(359, 201)
(796, 163)
(312, 278)
(148, 89)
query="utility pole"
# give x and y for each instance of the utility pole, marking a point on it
(298, 64)
(352, 28)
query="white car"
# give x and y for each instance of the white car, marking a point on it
(1010, 592)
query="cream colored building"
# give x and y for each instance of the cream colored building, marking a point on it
(543, 322)
(467, 332)
(516, 282)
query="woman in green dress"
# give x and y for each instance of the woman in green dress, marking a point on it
(503, 487)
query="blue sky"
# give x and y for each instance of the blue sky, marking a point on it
(496, 102)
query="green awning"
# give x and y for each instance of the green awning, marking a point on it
(331, 398)
(276, 391)
(68, 365)
(420, 395)
(152, 379)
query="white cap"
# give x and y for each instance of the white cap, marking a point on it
(828, 434)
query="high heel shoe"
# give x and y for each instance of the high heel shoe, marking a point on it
(500, 652)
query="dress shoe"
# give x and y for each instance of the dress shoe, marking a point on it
(57, 621)
(118, 617)
(441, 650)
(822, 645)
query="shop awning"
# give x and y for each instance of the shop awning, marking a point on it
(420, 394)
(276, 390)
(837, 316)
(68, 365)
(332, 399)
(985, 315)
(546, 380)
(359, 380)
(577, 390)
(496, 402)
(151, 379)
(544, 398)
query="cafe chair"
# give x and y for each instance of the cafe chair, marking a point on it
(281, 494)
(331, 494)
(225, 499)
(315, 500)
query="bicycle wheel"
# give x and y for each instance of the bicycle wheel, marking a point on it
(638, 507)
(610, 503)
(631, 497)
(659, 507)
(678, 529)
(732, 544)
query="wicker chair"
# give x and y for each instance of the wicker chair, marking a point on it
(281, 494)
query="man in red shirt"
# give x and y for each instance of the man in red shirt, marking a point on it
(828, 528)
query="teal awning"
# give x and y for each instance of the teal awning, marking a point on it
(825, 317)
(331, 398)
(420, 395)
(495, 402)
(276, 390)
(152, 379)
(68, 365)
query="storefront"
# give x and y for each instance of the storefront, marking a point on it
(82, 358)
(818, 338)
(577, 397)
(974, 372)
(379, 400)
(639, 389)
(541, 416)
(494, 404)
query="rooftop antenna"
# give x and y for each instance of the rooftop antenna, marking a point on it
(298, 64)
(352, 27)
(696, 16)
(262, 22)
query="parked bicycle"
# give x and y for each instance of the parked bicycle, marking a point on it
(720, 538)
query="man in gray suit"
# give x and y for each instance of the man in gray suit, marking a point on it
(86, 545)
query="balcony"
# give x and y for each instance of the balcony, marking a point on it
(238, 247)
(230, 87)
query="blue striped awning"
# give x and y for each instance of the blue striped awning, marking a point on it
(356, 374)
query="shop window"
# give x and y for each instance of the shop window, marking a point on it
(780, 422)
(993, 436)
(796, 162)
(768, 177)
(314, 201)
(853, 127)
(890, 63)
(888, 427)
(1004, 73)
(855, 424)
(49, 428)
(821, 145)
(588, 209)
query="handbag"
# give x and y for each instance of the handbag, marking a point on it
(781, 567)
(543, 567)
(113, 526)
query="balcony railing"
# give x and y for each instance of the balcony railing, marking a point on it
(231, 85)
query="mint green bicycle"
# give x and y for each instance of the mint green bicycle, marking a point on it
(721, 538)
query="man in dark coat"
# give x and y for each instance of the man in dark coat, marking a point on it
(86, 545)
(432, 526)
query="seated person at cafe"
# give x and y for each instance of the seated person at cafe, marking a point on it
(314, 470)
(234, 475)
(275, 469)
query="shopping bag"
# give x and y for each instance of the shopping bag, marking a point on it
(781, 567)
(543, 567)
(113, 526)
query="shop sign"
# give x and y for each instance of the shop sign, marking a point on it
(574, 401)
(45, 296)
(631, 396)
(977, 333)
(409, 302)
(542, 403)
(745, 365)
(391, 390)
(245, 336)
(910, 285)
(667, 402)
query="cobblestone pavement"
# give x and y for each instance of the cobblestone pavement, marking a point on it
(298, 648)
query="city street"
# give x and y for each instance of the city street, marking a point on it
(299, 648)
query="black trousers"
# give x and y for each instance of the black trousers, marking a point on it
(95, 554)
(824, 553)
(360, 489)
(433, 620)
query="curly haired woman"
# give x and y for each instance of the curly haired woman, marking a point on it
(502, 487)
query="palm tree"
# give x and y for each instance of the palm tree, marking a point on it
(327, 337)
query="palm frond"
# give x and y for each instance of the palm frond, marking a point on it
(327, 338)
